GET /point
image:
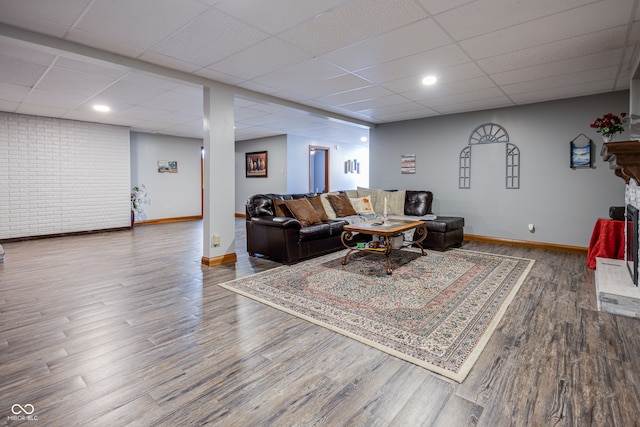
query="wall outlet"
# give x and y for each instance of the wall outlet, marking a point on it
(215, 241)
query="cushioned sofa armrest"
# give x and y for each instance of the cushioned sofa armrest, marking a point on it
(276, 221)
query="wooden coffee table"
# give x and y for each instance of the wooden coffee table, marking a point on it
(392, 228)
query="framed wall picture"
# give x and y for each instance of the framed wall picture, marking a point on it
(407, 163)
(582, 156)
(170, 166)
(256, 164)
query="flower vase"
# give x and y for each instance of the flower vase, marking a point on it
(607, 138)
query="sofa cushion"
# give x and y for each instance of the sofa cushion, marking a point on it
(303, 211)
(316, 202)
(395, 202)
(417, 203)
(445, 224)
(281, 209)
(362, 205)
(341, 205)
(316, 231)
(327, 205)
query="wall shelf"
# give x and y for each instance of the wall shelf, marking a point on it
(623, 158)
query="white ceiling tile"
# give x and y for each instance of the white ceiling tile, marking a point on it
(56, 99)
(476, 105)
(559, 68)
(375, 102)
(438, 6)
(584, 20)
(209, 38)
(173, 101)
(352, 22)
(356, 95)
(404, 107)
(464, 97)
(125, 91)
(9, 106)
(485, 16)
(169, 62)
(333, 85)
(73, 82)
(430, 62)
(99, 69)
(563, 92)
(269, 16)
(452, 74)
(218, 76)
(440, 91)
(140, 23)
(104, 43)
(406, 41)
(585, 77)
(12, 92)
(596, 42)
(20, 72)
(25, 52)
(41, 109)
(268, 55)
(43, 16)
(408, 115)
(309, 71)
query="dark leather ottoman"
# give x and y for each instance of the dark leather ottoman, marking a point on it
(444, 232)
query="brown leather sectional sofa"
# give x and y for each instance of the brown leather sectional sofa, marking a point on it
(286, 240)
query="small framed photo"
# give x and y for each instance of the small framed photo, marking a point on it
(170, 166)
(256, 164)
(407, 163)
(582, 157)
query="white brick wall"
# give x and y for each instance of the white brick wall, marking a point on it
(60, 176)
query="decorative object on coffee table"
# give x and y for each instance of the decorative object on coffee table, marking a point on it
(436, 311)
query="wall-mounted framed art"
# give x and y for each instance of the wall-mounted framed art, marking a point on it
(582, 156)
(256, 164)
(170, 166)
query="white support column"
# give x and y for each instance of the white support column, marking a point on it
(219, 176)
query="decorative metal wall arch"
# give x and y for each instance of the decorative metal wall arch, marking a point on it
(513, 166)
(490, 133)
(464, 180)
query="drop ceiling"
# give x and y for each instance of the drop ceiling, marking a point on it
(307, 67)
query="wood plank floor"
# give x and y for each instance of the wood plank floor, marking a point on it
(128, 328)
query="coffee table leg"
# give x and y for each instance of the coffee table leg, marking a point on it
(421, 232)
(387, 253)
(346, 237)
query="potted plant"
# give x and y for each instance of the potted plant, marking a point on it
(138, 198)
(610, 124)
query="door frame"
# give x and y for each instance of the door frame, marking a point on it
(312, 150)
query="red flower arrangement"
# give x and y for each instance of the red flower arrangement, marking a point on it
(610, 124)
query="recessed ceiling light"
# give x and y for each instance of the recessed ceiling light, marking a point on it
(102, 108)
(364, 139)
(429, 80)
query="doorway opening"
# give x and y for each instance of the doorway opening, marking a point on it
(318, 169)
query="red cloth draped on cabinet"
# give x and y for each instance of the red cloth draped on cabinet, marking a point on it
(607, 241)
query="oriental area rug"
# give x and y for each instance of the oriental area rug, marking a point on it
(437, 311)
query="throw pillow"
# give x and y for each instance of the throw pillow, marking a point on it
(327, 206)
(372, 194)
(281, 209)
(341, 205)
(362, 205)
(395, 201)
(303, 212)
(316, 202)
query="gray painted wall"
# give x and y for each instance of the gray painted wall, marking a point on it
(170, 195)
(562, 203)
(276, 180)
